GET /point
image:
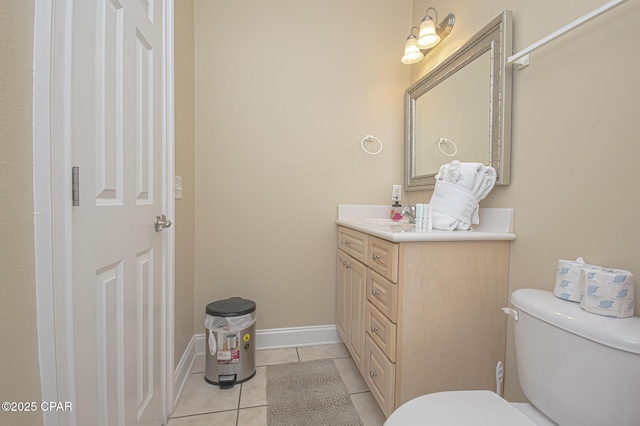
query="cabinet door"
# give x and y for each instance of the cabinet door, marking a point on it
(343, 298)
(358, 299)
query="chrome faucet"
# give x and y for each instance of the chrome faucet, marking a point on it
(410, 212)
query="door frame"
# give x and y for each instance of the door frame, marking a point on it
(53, 211)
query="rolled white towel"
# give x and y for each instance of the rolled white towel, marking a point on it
(449, 172)
(484, 183)
(476, 177)
(469, 174)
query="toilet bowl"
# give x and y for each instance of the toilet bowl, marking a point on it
(465, 408)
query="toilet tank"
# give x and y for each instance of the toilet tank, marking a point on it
(577, 368)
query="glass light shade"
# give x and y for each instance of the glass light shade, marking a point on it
(427, 37)
(412, 53)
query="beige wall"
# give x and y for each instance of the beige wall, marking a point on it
(285, 92)
(184, 166)
(574, 141)
(19, 370)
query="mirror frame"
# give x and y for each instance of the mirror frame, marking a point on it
(496, 37)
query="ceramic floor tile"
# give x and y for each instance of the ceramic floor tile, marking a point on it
(368, 409)
(254, 391)
(256, 416)
(323, 351)
(350, 375)
(202, 404)
(200, 397)
(276, 356)
(224, 418)
(198, 365)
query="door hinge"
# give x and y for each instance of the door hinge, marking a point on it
(75, 186)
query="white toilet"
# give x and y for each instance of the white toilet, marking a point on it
(576, 368)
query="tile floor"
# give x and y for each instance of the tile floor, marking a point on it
(202, 404)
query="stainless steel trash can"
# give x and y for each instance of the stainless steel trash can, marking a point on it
(230, 353)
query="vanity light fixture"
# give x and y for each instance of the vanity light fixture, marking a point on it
(429, 35)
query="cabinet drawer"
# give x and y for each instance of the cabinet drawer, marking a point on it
(383, 258)
(381, 330)
(353, 243)
(380, 376)
(383, 294)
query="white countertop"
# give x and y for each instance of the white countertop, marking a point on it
(495, 224)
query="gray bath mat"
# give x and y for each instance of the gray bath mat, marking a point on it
(308, 393)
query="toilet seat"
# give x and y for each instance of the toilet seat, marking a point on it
(458, 408)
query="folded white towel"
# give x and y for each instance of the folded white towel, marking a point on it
(452, 206)
(459, 188)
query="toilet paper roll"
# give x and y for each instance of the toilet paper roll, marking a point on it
(568, 279)
(607, 292)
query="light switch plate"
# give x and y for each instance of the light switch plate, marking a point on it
(177, 182)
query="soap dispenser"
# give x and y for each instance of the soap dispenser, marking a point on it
(396, 208)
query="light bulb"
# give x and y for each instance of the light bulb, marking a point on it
(427, 37)
(412, 53)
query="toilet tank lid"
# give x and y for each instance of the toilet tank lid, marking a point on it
(619, 333)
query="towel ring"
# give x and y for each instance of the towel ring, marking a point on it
(369, 138)
(445, 140)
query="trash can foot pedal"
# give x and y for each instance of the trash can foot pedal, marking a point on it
(226, 381)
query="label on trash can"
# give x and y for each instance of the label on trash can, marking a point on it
(228, 357)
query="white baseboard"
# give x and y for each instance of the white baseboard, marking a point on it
(297, 336)
(274, 338)
(181, 373)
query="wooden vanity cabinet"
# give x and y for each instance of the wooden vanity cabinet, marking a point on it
(432, 318)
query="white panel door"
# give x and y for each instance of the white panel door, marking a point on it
(117, 140)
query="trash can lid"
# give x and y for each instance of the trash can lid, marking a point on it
(231, 307)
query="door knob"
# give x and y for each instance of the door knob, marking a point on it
(161, 222)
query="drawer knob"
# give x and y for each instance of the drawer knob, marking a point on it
(375, 292)
(346, 243)
(374, 328)
(372, 373)
(375, 256)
